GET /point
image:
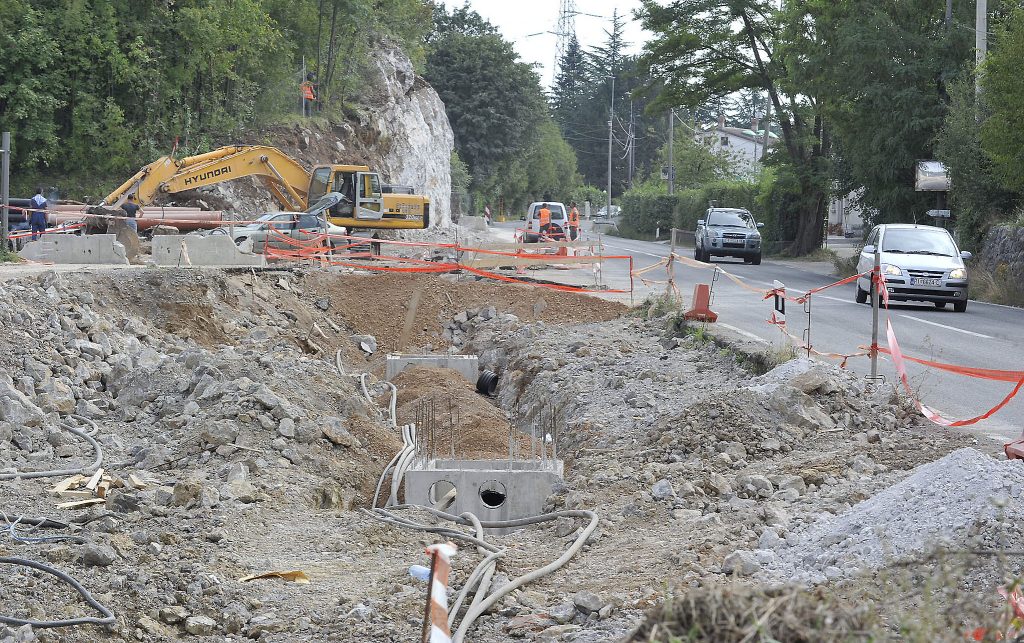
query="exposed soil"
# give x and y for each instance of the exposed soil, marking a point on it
(441, 298)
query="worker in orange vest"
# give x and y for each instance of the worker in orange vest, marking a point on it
(544, 218)
(308, 95)
(574, 221)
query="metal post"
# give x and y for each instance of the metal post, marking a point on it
(611, 122)
(5, 188)
(671, 151)
(874, 313)
(980, 39)
(671, 268)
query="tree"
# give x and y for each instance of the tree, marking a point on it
(880, 67)
(503, 129)
(707, 49)
(493, 100)
(1003, 92)
(570, 90)
(92, 89)
(976, 195)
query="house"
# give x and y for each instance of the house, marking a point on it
(743, 147)
(846, 215)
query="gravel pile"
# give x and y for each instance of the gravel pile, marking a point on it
(962, 501)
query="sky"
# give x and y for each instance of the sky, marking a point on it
(517, 19)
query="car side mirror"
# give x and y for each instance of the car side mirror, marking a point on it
(965, 255)
(700, 222)
(869, 249)
(760, 225)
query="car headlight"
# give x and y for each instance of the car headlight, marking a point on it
(714, 234)
(890, 269)
(958, 273)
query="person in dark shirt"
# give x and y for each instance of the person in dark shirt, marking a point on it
(131, 211)
(37, 216)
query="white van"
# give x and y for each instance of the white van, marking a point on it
(559, 222)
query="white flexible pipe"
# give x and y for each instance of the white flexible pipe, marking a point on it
(478, 608)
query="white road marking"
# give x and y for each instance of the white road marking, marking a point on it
(959, 330)
(831, 298)
(630, 250)
(742, 332)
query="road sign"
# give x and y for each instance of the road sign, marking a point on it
(939, 214)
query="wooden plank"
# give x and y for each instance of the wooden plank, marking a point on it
(94, 480)
(78, 504)
(137, 481)
(67, 483)
(76, 495)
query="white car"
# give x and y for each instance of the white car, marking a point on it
(300, 226)
(919, 262)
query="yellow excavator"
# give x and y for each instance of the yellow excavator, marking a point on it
(367, 203)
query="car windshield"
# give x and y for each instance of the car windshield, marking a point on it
(731, 219)
(918, 241)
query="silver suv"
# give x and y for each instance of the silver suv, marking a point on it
(728, 232)
(920, 263)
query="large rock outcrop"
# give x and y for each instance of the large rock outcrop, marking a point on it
(412, 121)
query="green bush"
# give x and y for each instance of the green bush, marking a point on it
(644, 212)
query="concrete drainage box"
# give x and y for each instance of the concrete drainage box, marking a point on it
(467, 365)
(490, 489)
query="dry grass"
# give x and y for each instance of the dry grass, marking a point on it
(997, 287)
(746, 614)
(846, 266)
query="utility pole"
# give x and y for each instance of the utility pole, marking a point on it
(5, 187)
(671, 151)
(629, 149)
(611, 121)
(980, 40)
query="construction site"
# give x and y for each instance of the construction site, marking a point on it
(304, 387)
(263, 452)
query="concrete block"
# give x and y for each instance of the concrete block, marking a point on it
(70, 248)
(491, 489)
(473, 224)
(467, 365)
(191, 250)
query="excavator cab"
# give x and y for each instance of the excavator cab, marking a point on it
(364, 199)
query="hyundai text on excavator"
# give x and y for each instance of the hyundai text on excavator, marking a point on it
(368, 204)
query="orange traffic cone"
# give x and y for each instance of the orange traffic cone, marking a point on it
(701, 310)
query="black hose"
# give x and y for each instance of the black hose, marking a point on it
(42, 523)
(487, 383)
(108, 616)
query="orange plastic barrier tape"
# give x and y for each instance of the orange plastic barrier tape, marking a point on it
(901, 370)
(305, 251)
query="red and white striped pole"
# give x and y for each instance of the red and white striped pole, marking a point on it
(435, 618)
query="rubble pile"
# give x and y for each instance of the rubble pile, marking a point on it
(235, 454)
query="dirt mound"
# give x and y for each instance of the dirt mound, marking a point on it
(481, 429)
(396, 304)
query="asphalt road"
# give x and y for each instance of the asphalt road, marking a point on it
(986, 336)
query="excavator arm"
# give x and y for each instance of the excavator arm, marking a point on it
(283, 176)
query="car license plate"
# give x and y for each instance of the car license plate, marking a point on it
(924, 281)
